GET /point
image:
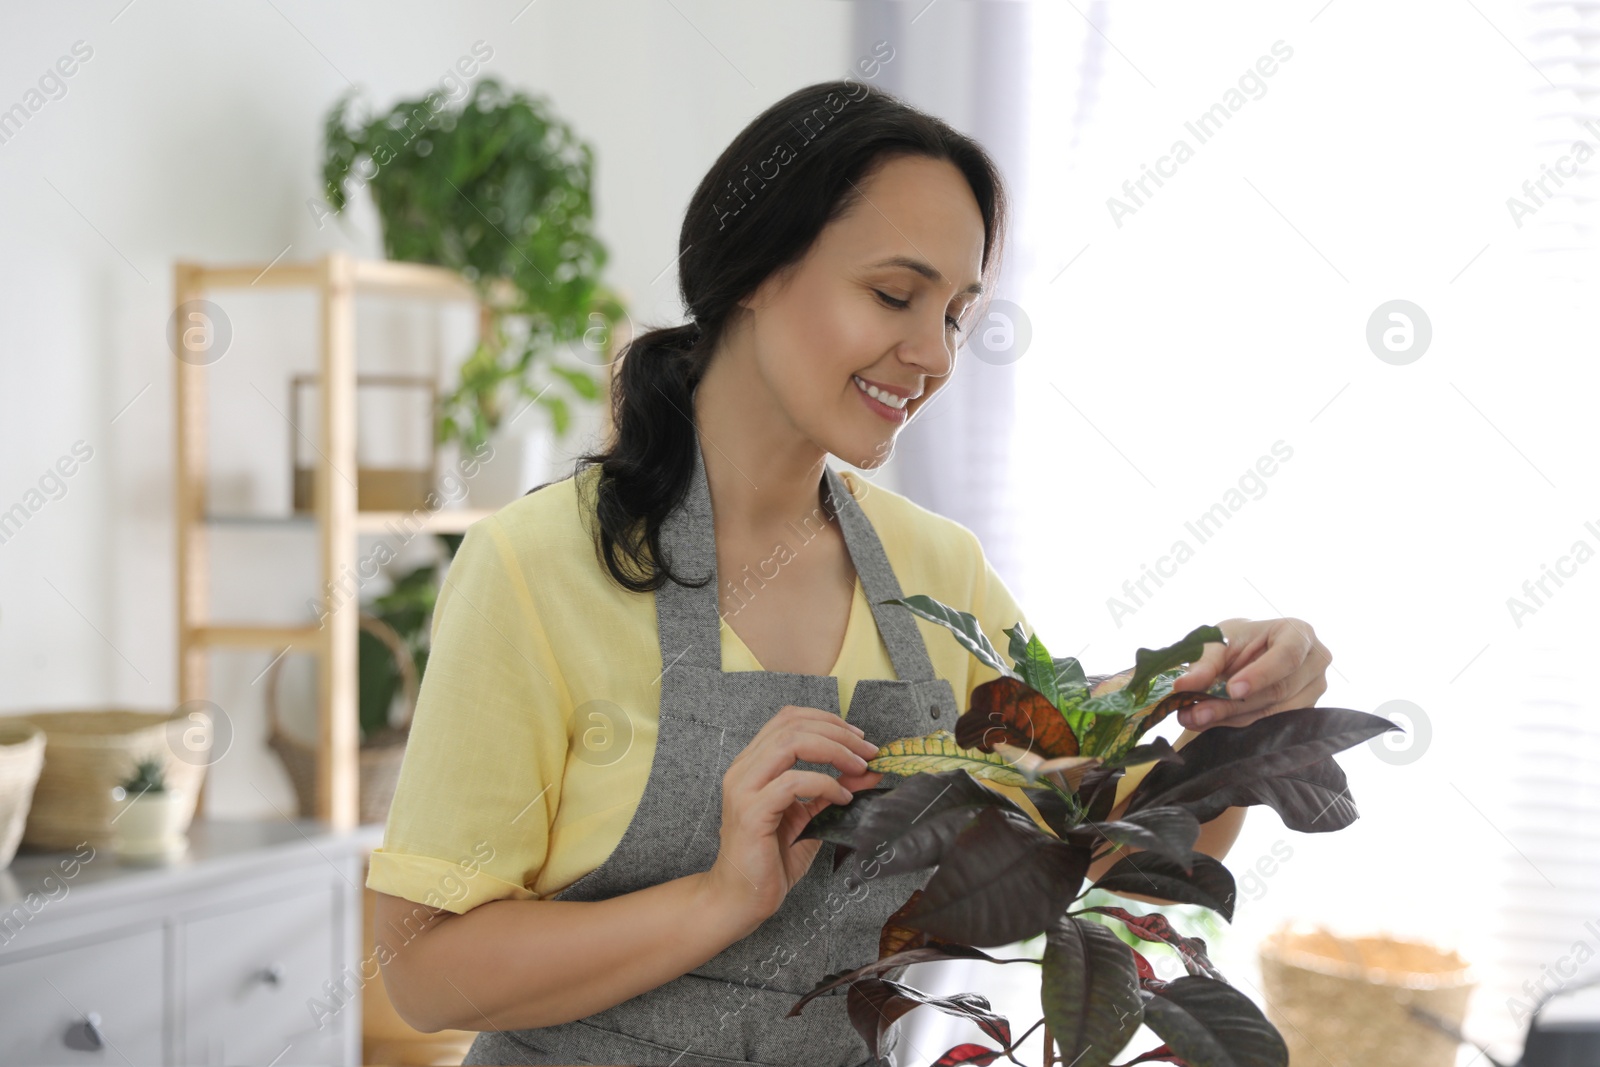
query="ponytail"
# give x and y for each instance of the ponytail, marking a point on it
(646, 471)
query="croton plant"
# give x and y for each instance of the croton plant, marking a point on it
(1067, 739)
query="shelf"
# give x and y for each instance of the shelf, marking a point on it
(437, 522)
(382, 277)
(367, 522)
(218, 636)
(336, 280)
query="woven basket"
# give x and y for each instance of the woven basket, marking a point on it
(21, 760)
(86, 755)
(379, 755)
(1343, 1002)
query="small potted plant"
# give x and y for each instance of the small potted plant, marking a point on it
(999, 878)
(499, 189)
(149, 824)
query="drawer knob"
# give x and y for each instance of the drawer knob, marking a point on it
(271, 975)
(85, 1036)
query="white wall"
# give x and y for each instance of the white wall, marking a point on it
(193, 131)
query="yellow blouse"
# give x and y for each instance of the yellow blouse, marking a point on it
(536, 721)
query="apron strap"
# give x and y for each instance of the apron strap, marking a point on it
(898, 626)
(690, 618)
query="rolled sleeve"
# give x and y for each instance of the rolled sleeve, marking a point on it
(481, 777)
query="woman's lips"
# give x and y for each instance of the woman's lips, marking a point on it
(894, 415)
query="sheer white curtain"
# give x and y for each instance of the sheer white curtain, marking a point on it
(966, 63)
(1191, 333)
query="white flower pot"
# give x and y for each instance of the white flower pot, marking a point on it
(520, 460)
(150, 826)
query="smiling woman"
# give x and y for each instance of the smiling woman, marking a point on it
(640, 743)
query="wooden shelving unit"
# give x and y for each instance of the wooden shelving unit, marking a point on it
(338, 278)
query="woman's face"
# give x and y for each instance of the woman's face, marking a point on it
(883, 299)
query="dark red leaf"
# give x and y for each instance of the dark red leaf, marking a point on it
(1155, 927)
(928, 953)
(1008, 710)
(1169, 830)
(1089, 987)
(917, 821)
(1167, 705)
(1004, 880)
(1207, 882)
(876, 1003)
(1160, 1053)
(1212, 1024)
(1227, 756)
(1158, 751)
(1314, 799)
(968, 1053)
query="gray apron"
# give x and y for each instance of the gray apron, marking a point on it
(733, 1009)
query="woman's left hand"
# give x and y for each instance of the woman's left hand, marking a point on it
(1277, 663)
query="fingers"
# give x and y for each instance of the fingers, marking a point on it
(1203, 671)
(835, 743)
(802, 787)
(857, 782)
(1272, 673)
(1304, 698)
(1287, 673)
(1216, 657)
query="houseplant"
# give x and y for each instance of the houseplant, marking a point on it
(407, 610)
(392, 652)
(1067, 738)
(150, 824)
(498, 189)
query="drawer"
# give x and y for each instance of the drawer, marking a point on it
(251, 978)
(44, 1002)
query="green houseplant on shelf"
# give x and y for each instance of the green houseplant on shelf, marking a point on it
(999, 878)
(392, 653)
(498, 189)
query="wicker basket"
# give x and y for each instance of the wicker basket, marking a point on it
(86, 755)
(1343, 1002)
(21, 760)
(379, 755)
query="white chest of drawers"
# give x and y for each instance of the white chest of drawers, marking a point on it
(245, 950)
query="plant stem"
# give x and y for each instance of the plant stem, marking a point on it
(1011, 1049)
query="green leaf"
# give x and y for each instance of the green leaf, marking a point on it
(963, 625)
(1150, 662)
(1057, 679)
(497, 187)
(560, 414)
(1103, 733)
(582, 382)
(378, 679)
(1070, 676)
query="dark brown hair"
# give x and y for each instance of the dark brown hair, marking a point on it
(758, 210)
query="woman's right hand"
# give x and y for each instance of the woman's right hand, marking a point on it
(762, 813)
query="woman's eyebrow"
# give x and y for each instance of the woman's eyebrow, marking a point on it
(927, 270)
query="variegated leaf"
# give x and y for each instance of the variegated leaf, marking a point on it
(938, 751)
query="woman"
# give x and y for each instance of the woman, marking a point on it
(647, 677)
